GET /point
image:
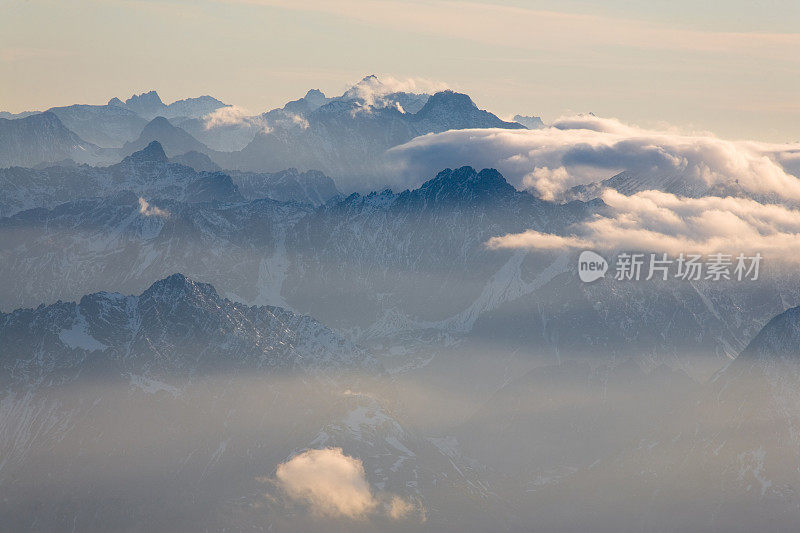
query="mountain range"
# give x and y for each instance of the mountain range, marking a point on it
(151, 173)
(197, 298)
(344, 137)
(177, 316)
(149, 105)
(381, 266)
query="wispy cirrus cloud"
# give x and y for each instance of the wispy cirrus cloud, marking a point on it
(513, 26)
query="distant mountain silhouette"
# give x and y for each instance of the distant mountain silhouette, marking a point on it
(173, 139)
(149, 105)
(41, 138)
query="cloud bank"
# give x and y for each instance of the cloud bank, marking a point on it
(662, 222)
(333, 484)
(582, 149)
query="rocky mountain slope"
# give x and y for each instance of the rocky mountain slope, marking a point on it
(176, 326)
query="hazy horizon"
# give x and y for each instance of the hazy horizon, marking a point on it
(729, 70)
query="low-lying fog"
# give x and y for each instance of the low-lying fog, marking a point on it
(600, 446)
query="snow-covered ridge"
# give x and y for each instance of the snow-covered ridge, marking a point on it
(176, 325)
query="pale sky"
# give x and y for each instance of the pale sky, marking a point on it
(732, 68)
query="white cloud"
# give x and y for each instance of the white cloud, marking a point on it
(536, 240)
(150, 210)
(585, 148)
(661, 222)
(226, 116)
(333, 484)
(373, 86)
(235, 116)
(330, 482)
(372, 90)
(399, 508)
(238, 116)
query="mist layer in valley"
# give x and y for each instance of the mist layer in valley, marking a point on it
(179, 410)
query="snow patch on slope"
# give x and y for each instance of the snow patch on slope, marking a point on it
(77, 337)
